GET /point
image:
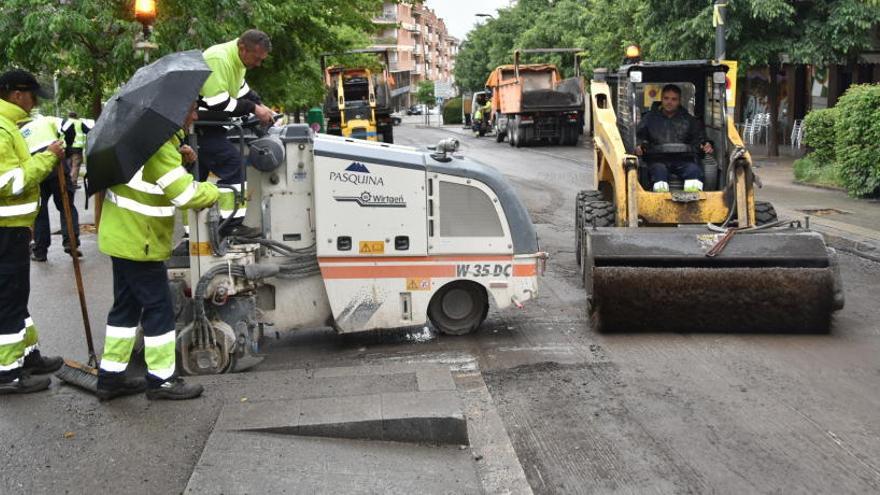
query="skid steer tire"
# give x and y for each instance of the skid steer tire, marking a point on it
(600, 214)
(765, 213)
(459, 308)
(582, 199)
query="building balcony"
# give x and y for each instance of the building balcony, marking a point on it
(385, 41)
(386, 18)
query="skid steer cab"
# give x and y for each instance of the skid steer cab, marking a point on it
(711, 259)
(358, 236)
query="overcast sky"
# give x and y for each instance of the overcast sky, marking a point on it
(459, 14)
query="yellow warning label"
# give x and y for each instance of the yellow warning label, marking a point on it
(418, 284)
(200, 249)
(372, 247)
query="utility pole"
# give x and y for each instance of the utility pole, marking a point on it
(719, 19)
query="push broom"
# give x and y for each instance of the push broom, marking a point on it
(84, 376)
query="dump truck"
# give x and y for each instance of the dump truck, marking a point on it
(714, 260)
(357, 236)
(357, 103)
(531, 102)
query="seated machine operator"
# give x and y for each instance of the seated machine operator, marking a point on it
(669, 125)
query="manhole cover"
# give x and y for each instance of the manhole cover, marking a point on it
(822, 212)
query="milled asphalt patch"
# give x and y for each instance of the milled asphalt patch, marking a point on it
(365, 429)
(433, 417)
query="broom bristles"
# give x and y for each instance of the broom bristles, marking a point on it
(79, 375)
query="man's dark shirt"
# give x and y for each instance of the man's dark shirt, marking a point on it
(656, 129)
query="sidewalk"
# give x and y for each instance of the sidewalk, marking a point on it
(848, 224)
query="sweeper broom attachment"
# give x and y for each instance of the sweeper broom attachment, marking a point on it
(662, 279)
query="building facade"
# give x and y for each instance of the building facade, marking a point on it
(419, 49)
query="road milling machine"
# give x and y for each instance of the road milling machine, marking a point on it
(357, 236)
(716, 260)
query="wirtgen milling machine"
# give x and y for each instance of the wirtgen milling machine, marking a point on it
(357, 236)
(714, 260)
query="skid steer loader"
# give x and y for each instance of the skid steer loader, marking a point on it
(358, 236)
(714, 260)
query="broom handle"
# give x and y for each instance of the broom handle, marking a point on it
(74, 247)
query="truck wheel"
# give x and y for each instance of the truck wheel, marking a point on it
(764, 213)
(459, 308)
(510, 133)
(519, 137)
(499, 136)
(582, 199)
(572, 135)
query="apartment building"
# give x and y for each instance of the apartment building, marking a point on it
(419, 49)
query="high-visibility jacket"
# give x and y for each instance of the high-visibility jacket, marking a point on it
(40, 132)
(137, 219)
(226, 90)
(20, 173)
(75, 130)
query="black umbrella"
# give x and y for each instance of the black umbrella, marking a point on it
(142, 116)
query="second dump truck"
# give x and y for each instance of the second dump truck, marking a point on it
(532, 102)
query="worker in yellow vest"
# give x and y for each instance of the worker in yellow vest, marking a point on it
(20, 177)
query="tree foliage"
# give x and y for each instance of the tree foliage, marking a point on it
(90, 43)
(425, 93)
(759, 32)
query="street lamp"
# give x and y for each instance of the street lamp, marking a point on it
(145, 13)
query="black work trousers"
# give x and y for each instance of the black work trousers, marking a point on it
(15, 288)
(42, 232)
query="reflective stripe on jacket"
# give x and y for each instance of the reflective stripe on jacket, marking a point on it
(20, 173)
(137, 219)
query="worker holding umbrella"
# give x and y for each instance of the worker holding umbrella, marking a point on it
(134, 153)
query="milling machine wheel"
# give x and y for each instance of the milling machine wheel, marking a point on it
(459, 308)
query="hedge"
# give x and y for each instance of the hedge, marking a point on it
(857, 139)
(452, 111)
(819, 135)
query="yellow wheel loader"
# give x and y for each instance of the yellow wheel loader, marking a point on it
(714, 260)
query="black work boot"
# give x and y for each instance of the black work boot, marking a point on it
(37, 364)
(25, 384)
(128, 386)
(175, 389)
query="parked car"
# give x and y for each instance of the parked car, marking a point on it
(396, 118)
(414, 110)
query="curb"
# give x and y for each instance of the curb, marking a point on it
(855, 247)
(843, 237)
(820, 186)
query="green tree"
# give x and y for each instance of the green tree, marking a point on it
(425, 93)
(90, 42)
(763, 33)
